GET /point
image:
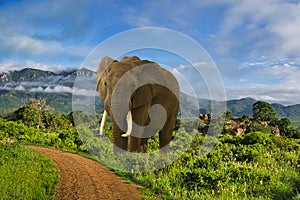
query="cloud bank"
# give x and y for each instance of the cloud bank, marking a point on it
(12, 65)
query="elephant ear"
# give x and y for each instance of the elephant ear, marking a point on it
(104, 63)
(101, 76)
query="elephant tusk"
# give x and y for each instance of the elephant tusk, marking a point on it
(129, 124)
(103, 122)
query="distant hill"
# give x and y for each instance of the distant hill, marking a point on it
(18, 86)
(11, 100)
(244, 106)
(240, 107)
(292, 112)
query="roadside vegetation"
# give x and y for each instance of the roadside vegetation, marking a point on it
(258, 164)
(25, 174)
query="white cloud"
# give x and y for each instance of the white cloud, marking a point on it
(5, 87)
(20, 88)
(44, 30)
(58, 89)
(281, 70)
(11, 65)
(37, 89)
(271, 27)
(282, 88)
(277, 93)
(175, 14)
(64, 89)
(269, 81)
(26, 45)
(284, 71)
(231, 27)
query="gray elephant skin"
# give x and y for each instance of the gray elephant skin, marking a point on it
(141, 99)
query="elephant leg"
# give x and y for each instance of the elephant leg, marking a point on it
(166, 133)
(140, 117)
(144, 145)
(120, 143)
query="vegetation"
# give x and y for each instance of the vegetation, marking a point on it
(264, 119)
(263, 111)
(255, 165)
(12, 100)
(25, 174)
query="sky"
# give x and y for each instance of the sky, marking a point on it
(255, 44)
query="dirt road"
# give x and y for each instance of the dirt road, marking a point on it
(82, 178)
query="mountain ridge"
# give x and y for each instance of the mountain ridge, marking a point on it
(17, 86)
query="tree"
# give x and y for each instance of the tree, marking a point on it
(228, 115)
(27, 115)
(263, 111)
(284, 126)
(41, 107)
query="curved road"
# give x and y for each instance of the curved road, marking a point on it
(82, 178)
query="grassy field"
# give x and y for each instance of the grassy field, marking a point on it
(25, 174)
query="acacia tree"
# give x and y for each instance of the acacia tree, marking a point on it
(263, 111)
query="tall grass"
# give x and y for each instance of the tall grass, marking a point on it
(25, 174)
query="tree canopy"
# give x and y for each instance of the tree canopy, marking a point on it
(263, 111)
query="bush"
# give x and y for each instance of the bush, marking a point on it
(256, 137)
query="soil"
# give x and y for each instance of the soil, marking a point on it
(83, 178)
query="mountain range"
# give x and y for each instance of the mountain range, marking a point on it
(16, 87)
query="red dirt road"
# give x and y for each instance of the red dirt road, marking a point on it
(82, 178)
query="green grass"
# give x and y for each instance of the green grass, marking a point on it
(236, 168)
(26, 174)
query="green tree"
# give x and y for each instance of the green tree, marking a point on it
(263, 111)
(284, 126)
(27, 115)
(228, 115)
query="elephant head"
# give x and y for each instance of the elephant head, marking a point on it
(131, 89)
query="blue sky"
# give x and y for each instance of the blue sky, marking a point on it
(254, 43)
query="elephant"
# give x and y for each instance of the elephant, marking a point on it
(141, 99)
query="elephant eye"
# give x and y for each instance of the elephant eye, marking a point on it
(105, 83)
